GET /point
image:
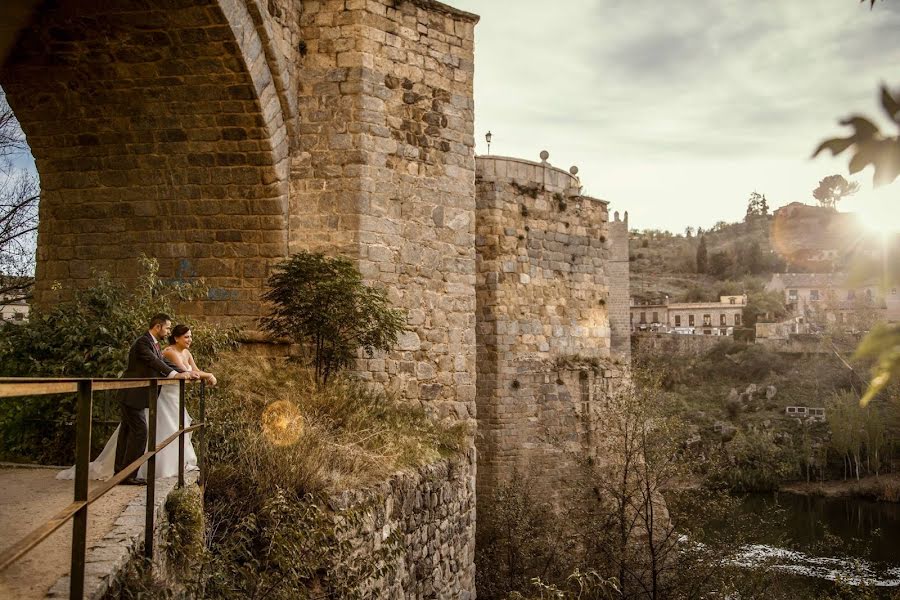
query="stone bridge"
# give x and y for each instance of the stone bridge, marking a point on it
(217, 136)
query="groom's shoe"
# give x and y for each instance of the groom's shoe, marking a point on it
(134, 481)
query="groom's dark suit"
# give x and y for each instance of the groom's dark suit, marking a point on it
(144, 360)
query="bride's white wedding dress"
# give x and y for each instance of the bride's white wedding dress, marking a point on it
(166, 461)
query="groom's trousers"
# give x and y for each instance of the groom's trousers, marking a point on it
(132, 441)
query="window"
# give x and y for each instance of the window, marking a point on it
(643, 317)
(733, 301)
(690, 320)
(655, 317)
(19, 316)
(737, 320)
(707, 320)
(632, 317)
(814, 295)
(792, 295)
(722, 320)
(677, 320)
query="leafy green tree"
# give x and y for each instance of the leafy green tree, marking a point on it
(757, 206)
(322, 303)
(702, 257)
(763, 304)
(833, 189)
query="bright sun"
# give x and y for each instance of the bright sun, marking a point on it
(878, 209)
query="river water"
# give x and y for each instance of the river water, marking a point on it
(825, 538)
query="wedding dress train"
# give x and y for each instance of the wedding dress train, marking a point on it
(103, 466)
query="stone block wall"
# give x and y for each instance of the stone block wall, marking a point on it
(156, 129)
(543, 328)
(432, 513)
(385, 173)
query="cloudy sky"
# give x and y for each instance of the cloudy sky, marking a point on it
(677, 111)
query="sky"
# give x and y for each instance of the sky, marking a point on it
(677, 111)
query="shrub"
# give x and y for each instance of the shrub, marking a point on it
(87, 337)
(322, 303)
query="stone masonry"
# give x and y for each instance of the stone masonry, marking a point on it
(218, 136)
(543, 325)
(386, 174)
(617, 269)
(158, 128)
(431, 515)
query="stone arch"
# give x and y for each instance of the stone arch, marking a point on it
(157, 128)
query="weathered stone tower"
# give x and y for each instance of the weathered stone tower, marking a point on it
(543, 326)
(617, 269)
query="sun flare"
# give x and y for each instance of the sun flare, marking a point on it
(878, 209)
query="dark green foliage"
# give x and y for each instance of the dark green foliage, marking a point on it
(87, 337)
(766, 306)
(702, 258)
(719, 265)
(513, 545)
(322, 303)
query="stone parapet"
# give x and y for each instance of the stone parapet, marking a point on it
(526, 172)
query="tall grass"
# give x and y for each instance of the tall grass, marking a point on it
(272, 426)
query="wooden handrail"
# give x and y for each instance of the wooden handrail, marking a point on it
(77, 510)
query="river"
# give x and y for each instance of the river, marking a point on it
(820, 539)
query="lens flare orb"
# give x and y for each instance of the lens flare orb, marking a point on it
(282, 423)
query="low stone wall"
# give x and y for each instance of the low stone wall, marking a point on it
(673, 343)
(430, 515)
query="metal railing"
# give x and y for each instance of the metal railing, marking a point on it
(77, 511)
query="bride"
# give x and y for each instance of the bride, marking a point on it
(179, 354)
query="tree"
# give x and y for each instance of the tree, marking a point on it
(702, 256)
(720, 264)
(689, 232)
(833, 189)
(19, 195)
(322, 303)
(757, 206)
(769, 305)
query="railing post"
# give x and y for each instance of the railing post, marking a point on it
(181, 385)
(152, 397)
(201, 454)
(82, 465)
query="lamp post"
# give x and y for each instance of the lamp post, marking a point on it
(487, 138)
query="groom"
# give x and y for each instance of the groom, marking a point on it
(144, 361)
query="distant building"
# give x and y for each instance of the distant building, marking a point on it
(694, 318)
(835, 297)
(15, 310)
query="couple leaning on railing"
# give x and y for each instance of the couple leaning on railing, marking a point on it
(129, 441)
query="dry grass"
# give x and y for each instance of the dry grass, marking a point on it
(272, 427)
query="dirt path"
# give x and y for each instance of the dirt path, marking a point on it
(30, 496)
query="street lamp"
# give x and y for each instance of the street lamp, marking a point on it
(487, 138)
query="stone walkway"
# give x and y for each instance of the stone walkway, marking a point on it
(30, 496)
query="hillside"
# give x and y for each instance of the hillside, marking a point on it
(741, 257)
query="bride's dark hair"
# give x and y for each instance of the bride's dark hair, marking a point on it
(178, 331)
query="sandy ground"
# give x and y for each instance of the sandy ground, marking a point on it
(30, 496)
